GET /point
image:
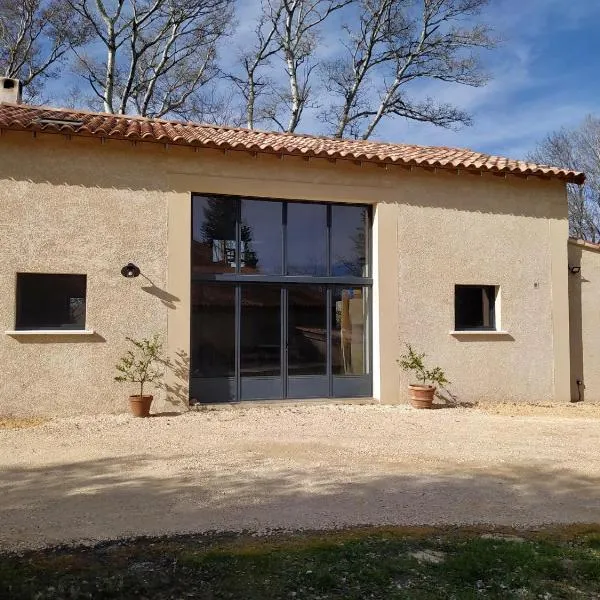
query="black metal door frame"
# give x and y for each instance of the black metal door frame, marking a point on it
(335, 386)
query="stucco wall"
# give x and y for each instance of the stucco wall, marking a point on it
(90, 208)
(69, 207)
(584, 321)
(505, 244)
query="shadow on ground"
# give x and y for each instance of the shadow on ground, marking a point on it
(116, 497)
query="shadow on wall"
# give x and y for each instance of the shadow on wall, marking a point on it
(63, 338)
(482, 337)
(136, 495)
(169, 300)
(576, 326)
(151, 170)
(177, 386)
(450, 400)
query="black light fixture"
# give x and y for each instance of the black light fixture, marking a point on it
(130, 270)
(574, 269)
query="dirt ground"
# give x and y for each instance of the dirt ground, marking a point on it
(261, 468)
(572, 409)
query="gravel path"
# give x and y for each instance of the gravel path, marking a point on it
(325, 466)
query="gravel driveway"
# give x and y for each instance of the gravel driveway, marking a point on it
(324, 466)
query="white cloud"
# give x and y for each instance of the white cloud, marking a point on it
(520, 106)
(511, 133)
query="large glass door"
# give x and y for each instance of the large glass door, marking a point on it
(280, 300)
(213, 336)
(306, 344)
(261, 343)
(350, 350)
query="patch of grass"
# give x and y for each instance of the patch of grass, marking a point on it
(8, 422)
(356, 564)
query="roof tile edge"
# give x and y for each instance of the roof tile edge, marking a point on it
(106, 125)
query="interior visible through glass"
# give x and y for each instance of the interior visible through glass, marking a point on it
(349, 347)
(260, 331)
(307, 330)
(213, 330)
(51, 301)
(474, 307)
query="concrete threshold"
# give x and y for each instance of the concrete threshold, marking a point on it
(282, 402)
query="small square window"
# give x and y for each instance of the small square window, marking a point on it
(47, 301)
(474, 307)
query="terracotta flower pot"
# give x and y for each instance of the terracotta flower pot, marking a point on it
(140, 405)
(421, 396)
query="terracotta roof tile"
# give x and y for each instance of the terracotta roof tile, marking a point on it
(40, 118)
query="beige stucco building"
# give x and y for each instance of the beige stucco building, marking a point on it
(329, 257)
(584, 320)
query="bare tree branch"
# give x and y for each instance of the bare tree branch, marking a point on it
(577, 149)
(395, 43)
(35, 36)
(297, 32)
(157, 54)
(267, 45)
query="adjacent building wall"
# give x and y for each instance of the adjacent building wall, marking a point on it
(80, 206)
(584, 320)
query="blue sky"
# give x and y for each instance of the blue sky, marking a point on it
(545, 75)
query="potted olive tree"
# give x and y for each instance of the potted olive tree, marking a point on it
(138, 366)
(421, 394)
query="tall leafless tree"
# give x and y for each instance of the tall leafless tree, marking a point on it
(577, 149)
(298, 34)
(252, 83)
(288, 32)
(35, 36)
(395, 43)
(157, 55)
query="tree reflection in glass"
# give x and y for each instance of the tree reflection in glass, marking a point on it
(349, 240)
(213, 244)
(306, 239)
(261, 231)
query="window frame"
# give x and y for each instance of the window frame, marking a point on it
(493, 293)
(65, 327)
(342, 385)
(238, 275)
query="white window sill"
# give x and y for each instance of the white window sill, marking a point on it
(479, 332)
(50, 332)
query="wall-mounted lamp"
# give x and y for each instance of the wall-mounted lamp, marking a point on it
(574, 269)
(130, 270)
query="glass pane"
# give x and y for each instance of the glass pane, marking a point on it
(261, 237)
(261, 331)
(307, 330)
(349, 336)
(306, 239)
(474, 307)
(213, 330)
(213, 240)
(48, 301)
(349, 240)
